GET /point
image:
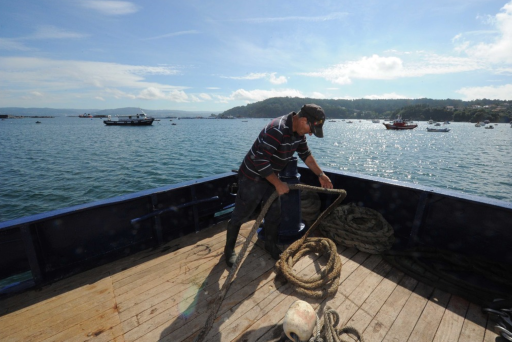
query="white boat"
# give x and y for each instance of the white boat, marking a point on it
(478, 124)
(437, 124)
(430, 122)
(438, 129)
(376, 121)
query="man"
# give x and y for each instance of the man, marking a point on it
(257, 176)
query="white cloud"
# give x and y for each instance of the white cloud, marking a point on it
(328, 17)
(42, 32)
(12, 45)
(277, 80)
(50, 74)
(205, 96)
(384, 68)
(52, 32)
(499, 49)
(173, 34)
(111, 7)
(152, 93)
(317, 95)
(503, 92)
(260, 95)
(270, 76)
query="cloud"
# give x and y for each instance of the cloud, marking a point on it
(317, 95)
(153, 93)
(12, 45)
(503, 92)
(30, 72)
(271, 77)
(385, 68)
(277, 80)
(173, 34)
(42, 32)
(52, 32)
(499, 49)
(260, 95)
(374, 67)
(328, 17)
(111, 7)
(205, 96)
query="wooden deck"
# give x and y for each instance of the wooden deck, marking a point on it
(164, 295)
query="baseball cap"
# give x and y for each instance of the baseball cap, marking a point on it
(316, 118)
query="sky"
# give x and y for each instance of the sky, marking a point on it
(216, 55)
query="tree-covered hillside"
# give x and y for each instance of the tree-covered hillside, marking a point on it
(414, 109)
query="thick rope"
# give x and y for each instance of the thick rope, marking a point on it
(326, 331)
(326, 282)
(360, 227)
(225, 287)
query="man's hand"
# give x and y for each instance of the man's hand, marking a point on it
(325, 181)
(282, 188)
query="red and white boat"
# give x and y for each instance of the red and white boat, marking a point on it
(400, 123)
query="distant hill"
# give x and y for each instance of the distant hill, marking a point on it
(360, 108)
(19, 111)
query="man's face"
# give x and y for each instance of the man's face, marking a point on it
(304, 127)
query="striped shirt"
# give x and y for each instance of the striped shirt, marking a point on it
(273, 149)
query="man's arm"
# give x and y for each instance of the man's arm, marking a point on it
(281, 187)
(325, 181)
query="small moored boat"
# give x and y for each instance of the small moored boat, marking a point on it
(399, 124)
(438, 129)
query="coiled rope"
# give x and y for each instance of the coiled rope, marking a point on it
(360, 227)
(225, 287)
(326, 331)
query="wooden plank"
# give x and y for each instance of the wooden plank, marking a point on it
(473, 328)
(372, 294)
(41, 317)
(129, 306)
(381, 323)
(453, 319)
(406, 320)
(490, 334)
(426, 327)
(127, 277)
(39, 331)
(167, 271)
(197, 299)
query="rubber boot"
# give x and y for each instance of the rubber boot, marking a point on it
(229, 249)
(271, 236)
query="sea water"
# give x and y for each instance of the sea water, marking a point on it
(65, 161)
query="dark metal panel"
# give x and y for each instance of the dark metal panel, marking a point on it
(85, 235)
(469, 228)
(13, 259)
(32, 254)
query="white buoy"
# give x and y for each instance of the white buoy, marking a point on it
(299, 321)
